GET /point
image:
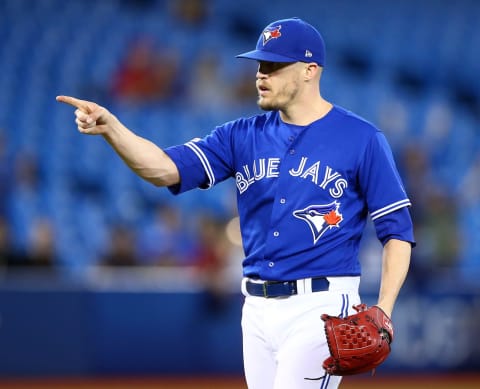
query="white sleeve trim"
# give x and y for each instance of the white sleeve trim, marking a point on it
(390, 208)
(203, 159)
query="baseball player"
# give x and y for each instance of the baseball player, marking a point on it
(308, 173)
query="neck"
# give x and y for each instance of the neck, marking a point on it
(306, 112)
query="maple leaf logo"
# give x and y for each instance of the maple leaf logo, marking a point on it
(276, 33)
(333, 218)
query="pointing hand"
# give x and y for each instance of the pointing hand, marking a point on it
(91, 118)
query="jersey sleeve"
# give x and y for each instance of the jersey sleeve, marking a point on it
(202, 163)
(395, 225)
(386, 198)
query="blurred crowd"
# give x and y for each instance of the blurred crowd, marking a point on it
(431, 125)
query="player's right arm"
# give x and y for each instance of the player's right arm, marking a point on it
(144, 157)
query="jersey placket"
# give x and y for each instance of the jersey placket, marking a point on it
(280, 207)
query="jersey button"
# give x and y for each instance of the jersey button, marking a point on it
(276, 233)
(282, 201)
(292, 151)
(271, 264)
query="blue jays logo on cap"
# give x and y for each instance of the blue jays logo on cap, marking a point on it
(320, 218)
(271, 33)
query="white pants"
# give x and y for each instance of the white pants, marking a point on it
(284, 343)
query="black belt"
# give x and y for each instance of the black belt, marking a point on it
(283, 288)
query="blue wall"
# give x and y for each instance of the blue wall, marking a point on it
(83, 332)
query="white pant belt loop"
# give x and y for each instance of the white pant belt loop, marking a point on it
(304, 286)
(300, 287)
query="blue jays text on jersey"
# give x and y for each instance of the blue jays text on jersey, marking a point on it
(303, 192)
(270, 168)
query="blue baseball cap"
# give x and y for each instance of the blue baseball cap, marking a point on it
(289, 40)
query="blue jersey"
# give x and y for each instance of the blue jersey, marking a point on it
(303, 192)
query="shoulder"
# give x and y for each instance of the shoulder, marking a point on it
(354, 122)
(251, 122)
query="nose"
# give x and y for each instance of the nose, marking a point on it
(260, 75)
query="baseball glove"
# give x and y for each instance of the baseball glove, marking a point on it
(358, 343)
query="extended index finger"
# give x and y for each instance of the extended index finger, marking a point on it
(83, 105)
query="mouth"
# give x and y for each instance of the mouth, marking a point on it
(262, 90)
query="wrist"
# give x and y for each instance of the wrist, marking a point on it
(385, 308)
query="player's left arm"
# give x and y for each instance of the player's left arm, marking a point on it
(395, 264)
(389, 206)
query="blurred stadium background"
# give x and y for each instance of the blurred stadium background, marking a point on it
(103, 276)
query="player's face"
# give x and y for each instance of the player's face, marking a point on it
(277, 85)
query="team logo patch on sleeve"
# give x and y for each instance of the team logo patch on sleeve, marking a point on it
(320, 218)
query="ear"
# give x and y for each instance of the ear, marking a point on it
(312, 70)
